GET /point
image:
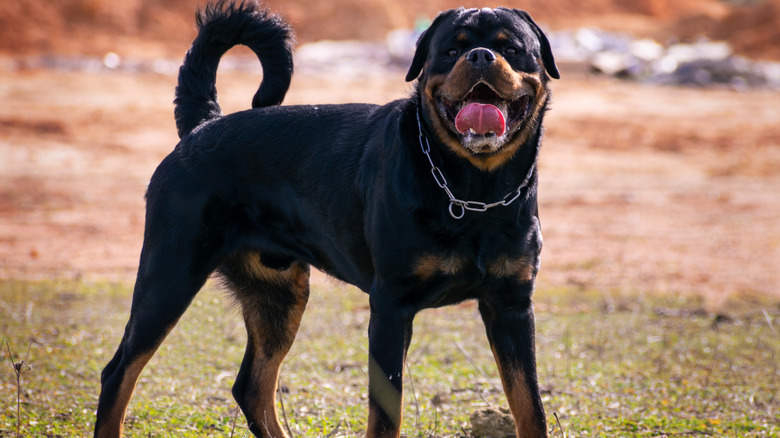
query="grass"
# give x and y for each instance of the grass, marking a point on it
(609, 365)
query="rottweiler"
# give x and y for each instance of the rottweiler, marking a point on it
(426, 201)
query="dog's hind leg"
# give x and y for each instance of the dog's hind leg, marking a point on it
(156, 309)
(272, 305)
(169, 276)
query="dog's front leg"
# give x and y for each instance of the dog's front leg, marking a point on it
(389, 334)
(509, 322)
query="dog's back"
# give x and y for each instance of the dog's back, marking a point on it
(221, 26)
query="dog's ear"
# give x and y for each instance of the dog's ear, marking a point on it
(547, 56)
(424, 42)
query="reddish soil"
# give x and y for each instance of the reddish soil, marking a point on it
(165, 27)
(643, 189)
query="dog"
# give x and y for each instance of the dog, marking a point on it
(426, 201)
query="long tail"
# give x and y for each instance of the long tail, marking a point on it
(222, 25)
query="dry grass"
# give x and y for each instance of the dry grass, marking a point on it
(609, 364)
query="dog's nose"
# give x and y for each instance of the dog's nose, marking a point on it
(481, 57)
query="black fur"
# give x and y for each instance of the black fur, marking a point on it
(262, 194)
(221, 26)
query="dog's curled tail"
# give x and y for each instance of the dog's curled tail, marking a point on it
(222, 25)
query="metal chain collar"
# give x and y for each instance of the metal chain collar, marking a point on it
(458, 207)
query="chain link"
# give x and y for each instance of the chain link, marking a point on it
(458, 207)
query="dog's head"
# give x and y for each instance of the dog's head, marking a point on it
(483, 76)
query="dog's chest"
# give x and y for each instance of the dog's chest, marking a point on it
(455, 265)
(448, 277)
(510, 257)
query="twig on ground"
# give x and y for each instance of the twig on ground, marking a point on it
(233, 426)
(479, 368)
(335, 430)
(768, 320)
(19, 368)
(284, 412)
(558, 421)
(435, 421)
(414, 394)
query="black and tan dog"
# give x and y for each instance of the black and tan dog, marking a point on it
(422, 202)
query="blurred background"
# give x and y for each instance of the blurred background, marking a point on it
(162, 27)
(659, 168)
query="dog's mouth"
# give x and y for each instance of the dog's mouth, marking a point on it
(483, 113)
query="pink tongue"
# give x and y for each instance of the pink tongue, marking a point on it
(482, 118)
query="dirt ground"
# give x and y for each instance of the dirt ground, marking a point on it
(150, 28)
(643, 189)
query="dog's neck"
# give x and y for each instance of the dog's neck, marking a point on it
(525, 164)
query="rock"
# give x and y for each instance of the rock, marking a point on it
(614, 63)
(596, 40)
(701, 64)
(646, 49)
(492, 423)
(401, 44)
(710, 50)
(733, 71)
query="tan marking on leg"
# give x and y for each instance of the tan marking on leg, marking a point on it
(263, 383)
(265, 369)
(114, 423)
(520, 400)
(264, 410)
(255, 267)
(371, 429)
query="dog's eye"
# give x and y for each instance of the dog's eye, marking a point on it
(452, 53)
(510, 50)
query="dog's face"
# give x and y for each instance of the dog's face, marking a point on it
(483, 76)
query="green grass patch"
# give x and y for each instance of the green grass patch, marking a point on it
(609, 365)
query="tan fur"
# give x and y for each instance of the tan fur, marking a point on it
(521, 268)
(116, 418)
(520, 401)
(429, 265)
(265, 370)
(254, 267)
(507, 83)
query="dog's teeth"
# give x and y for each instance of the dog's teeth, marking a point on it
(472, 131)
